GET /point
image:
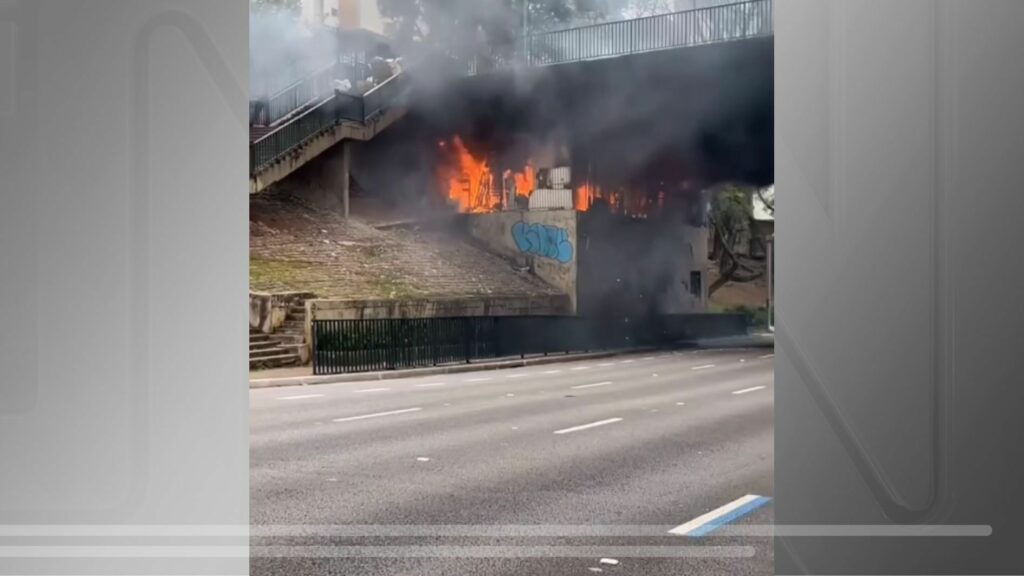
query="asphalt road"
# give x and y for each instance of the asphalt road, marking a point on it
(539, 470)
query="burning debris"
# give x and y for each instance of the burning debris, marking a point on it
(471, 184)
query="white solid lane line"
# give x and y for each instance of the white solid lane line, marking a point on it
(745, 390)
(478, 379)
(553, 372)
(371, 390)
(587, 426)
(703, 367)
(767, 356)
(301, 397)
(430, 384)
(582, 386)
(721, 515)
(377, 415)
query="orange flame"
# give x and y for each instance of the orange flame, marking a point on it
(585, 196)
(524, 181)
(471, 184)
(469, 181)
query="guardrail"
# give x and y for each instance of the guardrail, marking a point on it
(342, 346)
(727, 22)
(335, 109)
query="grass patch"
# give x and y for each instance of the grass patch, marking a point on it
(392, 288)
(264, 273)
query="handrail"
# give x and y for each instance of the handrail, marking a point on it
(335, 109)
(299, 93)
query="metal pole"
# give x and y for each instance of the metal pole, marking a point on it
(771, 283)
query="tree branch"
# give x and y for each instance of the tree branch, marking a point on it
(731, 262)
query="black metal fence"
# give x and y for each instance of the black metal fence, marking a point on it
(341, 346)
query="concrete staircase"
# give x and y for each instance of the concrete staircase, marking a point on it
(267, 353)
(285, 347)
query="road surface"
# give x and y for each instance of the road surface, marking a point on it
(580, 467)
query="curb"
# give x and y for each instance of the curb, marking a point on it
(753, 340)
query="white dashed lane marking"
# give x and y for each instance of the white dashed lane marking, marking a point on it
(745, 390)
(588, 426)
(377, 415)
(301, 397)
(595, 385)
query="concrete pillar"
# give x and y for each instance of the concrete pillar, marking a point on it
(346, 161)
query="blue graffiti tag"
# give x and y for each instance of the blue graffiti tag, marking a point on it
(545, 241)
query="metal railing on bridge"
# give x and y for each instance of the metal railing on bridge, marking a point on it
(334, 109)
(342, 346)
(710, 25)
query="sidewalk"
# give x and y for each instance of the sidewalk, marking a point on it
(303, 375)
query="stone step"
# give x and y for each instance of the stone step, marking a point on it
(262, 344)
(274, 361)
(293, 348)
(285, 339)
(261, 337)
(267, 352)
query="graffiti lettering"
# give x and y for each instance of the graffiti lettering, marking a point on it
(545, 241)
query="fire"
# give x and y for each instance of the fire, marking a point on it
(471, 184)
(469, 181)
(585, 196)
(524, 181)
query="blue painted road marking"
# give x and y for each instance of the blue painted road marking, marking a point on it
(707, 523)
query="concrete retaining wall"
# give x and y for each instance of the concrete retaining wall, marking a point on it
(268, 311)
(630, 268)
(437, 307)
(544, 240)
